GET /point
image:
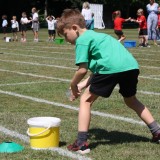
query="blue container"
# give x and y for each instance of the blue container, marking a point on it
(129, 44)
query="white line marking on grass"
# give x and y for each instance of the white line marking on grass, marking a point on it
(35, 75)
(150, 67)
(146, 77)
(68, 59)
(25, 139)
(39, 51)
(142, 59)
(155, 75)
(14, 134)
(96, 113)
(63, 80)
(58, 66)
(35, 56)
(38, 64)
(148, 50)
(27, 83)
(148, 54)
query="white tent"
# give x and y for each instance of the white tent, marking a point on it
(97, 9)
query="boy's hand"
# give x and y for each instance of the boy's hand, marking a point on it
(75, 93)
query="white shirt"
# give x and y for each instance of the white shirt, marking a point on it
(4, 23)
(35, 17)
(87, 14)
(14, 24)
(51, 24)
(24, 20)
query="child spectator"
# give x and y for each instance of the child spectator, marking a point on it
(51, 27)
(24, 21)
(4, 26)
(35, 23)
(116, 16)
(111, 64)
(143, 36)
(15, 28)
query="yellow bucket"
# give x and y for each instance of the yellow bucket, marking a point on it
(43, 132)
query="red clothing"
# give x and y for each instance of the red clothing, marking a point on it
(118, 23)
(158, 20)
(143, 23)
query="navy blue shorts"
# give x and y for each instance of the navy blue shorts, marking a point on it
(103, 84)
(118, 32)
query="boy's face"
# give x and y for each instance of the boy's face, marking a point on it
(70, 35)
(139, 13)
(33, 11)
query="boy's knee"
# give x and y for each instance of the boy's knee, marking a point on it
(88, 97)
(130, 101)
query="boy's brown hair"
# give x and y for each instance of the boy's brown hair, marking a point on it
(4, 16)
(70, 17)
(116, 14)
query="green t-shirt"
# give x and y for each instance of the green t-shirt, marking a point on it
(103, 53)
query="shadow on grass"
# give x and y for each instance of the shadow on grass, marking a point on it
(61, 144)
(104, 137)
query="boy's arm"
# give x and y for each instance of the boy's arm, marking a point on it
(78, 76)
(128, 19)
(47, 18)
(135, 20)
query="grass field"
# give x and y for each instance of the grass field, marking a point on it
(34, 78)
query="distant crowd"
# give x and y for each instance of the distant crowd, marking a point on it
(24, 21)
(148, 29)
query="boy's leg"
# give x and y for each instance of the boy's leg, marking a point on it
(139, 108)
(122, 38)
(145, 115)
(86, 101)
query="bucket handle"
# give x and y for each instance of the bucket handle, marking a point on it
(37, 134)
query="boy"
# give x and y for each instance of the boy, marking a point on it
(110, 64)
(15, 28)
(4, 26)
(143, 35)
(24, 21)
(51, 28)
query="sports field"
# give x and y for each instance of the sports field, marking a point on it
(34, 78)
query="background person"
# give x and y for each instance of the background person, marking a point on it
(4, 26)
(118, 21)
(24, 21)
(142, 31)
(35, 24)
(15, 28)
(152, 20)
(51, 28)
(87, 14)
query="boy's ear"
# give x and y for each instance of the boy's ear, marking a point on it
(75, 27)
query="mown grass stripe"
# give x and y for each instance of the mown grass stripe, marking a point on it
(66, 80)
(96, 113)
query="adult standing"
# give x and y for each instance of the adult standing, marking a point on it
(152, 21)
(87, 14)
